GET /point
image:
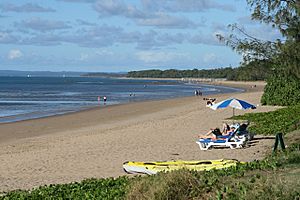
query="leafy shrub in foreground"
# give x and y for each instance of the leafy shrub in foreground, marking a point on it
(109, 188)
(258, 179)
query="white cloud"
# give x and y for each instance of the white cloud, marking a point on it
(153, 57)
(6, 37)
(95, 56)
(162, 20)
(42, 25)
(84, 56)
(117, 8)
(104, 52)
(79, 1)
(14, 54)
(186, 5)
(209, 57)
(142, 17)
(29, 7)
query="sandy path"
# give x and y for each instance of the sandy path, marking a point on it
(95, 143)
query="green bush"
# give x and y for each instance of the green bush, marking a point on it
(282, 90)
(269, 123)
(109, 188)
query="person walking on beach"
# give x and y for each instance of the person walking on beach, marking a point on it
(196, 92)
(104, 99)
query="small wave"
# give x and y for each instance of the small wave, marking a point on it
(15, 103)
(69, 93)
(12, 113)
(89, 82)
(43, 102)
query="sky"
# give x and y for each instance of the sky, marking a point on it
(121, 35)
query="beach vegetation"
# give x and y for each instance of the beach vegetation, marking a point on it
(283, 120)
(109, 188)
(282, 54)
(253, 71)
(283, 86)
(275, 177)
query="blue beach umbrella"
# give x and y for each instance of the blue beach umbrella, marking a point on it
(234, 103)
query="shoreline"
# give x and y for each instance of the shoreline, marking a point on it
(95, 143)
(247, 85)
(72, 118)
(221, 89)
(51, 119)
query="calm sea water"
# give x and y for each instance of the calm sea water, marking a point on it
(24, 98)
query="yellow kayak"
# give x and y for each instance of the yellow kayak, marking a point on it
(154, 167)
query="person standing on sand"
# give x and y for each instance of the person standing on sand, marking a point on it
(104, 99)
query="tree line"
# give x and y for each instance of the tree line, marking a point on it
(253, 71)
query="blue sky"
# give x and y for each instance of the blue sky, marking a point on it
(121, 35)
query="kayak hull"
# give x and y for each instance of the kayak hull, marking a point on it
(165, 166)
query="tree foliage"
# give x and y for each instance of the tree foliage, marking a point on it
(173, 73)
(282, 90)
(251, 48)
(252, 71)
(282, 14)
(282, 56)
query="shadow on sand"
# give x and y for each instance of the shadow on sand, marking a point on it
(264, 138)
(256, 140)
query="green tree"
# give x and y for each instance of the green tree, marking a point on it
(282, 14)
(282, 56)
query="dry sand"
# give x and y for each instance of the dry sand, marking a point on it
(95, 143)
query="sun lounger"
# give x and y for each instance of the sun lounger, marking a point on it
(231, 141)
(243, 133)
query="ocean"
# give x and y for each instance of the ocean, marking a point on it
(23, 98)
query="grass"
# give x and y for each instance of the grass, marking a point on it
(88, 189)
(282, 120)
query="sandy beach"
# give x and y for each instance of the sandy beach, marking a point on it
(94, 143)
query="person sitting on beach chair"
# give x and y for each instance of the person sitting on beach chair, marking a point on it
(222, 141)
(227, 133)
(215, 133)
(225, 128)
